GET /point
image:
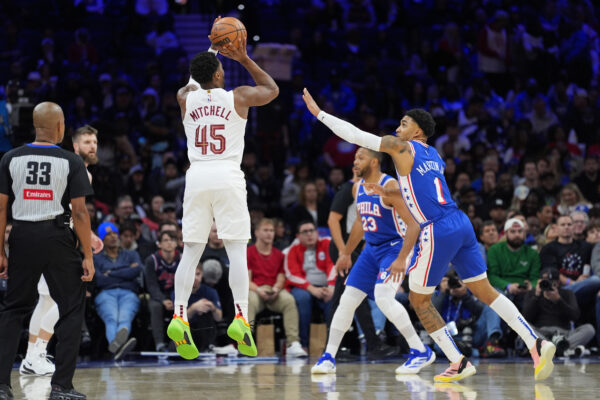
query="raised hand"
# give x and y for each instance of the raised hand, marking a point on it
(311, 104)
(237, 53)
(375, 188)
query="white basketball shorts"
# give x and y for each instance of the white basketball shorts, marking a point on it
(215, 189)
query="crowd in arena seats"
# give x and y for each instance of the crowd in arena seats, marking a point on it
(514, 87)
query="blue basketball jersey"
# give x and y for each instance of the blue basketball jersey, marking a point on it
(380, 223)
(425, 190)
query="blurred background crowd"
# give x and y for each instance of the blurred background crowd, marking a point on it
(514, 87)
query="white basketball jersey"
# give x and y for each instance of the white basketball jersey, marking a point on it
(213, 128)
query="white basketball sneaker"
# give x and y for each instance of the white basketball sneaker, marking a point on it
(295, 350)
(37, 364)
(325, 365)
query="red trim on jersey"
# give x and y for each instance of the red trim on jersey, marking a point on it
(38, 194)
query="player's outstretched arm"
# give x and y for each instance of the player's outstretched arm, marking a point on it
(265, 91)
(341, 128)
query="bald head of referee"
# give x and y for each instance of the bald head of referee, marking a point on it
(49, 123)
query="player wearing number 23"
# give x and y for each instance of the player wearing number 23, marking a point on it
(384, 233)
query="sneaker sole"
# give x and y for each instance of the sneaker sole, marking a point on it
(546, 366)
(185, 345)
(242, 338)
(119, 340)
(322, 372)
(414, 372)
(467, 372)
(126, 348)
(29, 372)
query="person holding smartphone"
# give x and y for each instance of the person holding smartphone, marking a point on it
(513, 266)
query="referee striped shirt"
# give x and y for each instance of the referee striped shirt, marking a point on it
(42, 180)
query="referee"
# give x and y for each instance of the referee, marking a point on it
(41, 179)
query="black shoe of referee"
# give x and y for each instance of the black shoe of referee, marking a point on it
(60, 393)
(5, 392)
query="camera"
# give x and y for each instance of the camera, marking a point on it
(454, 282)
(545, 285)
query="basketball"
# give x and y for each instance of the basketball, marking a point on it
(225, 31)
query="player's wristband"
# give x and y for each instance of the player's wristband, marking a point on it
(214, 51)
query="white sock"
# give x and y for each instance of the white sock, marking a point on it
(511, 315)
(342, 318)
(184, 276)
(396, 313)
(30, 350)
(238, 274)
(443, 339)
(41, 345)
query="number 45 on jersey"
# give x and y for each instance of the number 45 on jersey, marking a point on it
(216, 144)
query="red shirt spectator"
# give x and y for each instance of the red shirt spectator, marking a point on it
(294, 261)
(261, 266)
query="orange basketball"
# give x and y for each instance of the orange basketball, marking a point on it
(225, 31)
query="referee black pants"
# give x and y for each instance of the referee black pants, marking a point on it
(37, 248)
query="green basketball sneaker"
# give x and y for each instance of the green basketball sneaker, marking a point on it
(240, 331)
(179, 332)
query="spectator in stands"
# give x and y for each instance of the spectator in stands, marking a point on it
(530, 175)
(497, 212)
(589, 179)
(123, 210)
(592, 233)
(513, 266)
(267, 285)
(161, 37)
(204, 311)
(552, 309)
(459, 143)
(159, 276)
(292, 185)
(570, 257)
(82, 50)
(150, 7)
(571, 200)
(580, 222)
(117, 278)
(545, 216)
(478, 325)
(309, 207)
(488, 236)
(282, 238)
(541, 117)
(215, 247)
(310, 274)
(493, 47)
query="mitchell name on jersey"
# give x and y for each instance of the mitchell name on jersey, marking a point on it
(206, 111)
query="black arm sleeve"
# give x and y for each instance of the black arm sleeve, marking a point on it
(79, 183)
